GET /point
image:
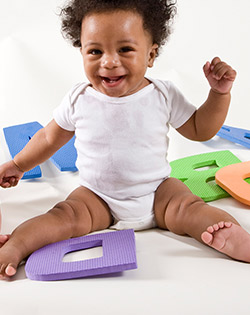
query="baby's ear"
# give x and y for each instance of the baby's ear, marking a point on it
(152, 55)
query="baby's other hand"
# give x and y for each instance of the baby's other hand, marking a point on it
(219, 75)
(10, 174)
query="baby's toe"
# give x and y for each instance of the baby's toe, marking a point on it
(10, 270)
(210, 229)
(221, 224)
(207, 237)
(216, 227)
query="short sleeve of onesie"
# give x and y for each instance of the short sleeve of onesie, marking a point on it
(181, 109)
(178, 107)
(64, 113)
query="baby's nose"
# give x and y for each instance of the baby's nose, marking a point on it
(110, 61)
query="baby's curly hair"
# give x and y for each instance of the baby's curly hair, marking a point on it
(157, 16)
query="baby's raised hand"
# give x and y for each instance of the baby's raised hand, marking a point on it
(10, 174)
(219, 75)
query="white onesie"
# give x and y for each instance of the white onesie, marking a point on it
(122, 145)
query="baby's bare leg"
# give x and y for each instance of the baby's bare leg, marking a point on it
(81, 213)
(183, 213)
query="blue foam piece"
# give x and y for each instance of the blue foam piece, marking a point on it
(65, 158)
(236, 135)
(119, 254)
(17, 137)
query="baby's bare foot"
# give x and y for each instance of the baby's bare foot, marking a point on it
(230, 239)
(9, 260)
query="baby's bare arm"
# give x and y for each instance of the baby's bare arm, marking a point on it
(42, 146)
(209, 118)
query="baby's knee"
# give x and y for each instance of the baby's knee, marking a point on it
(180, 207)
(74, 214)
(181, 203)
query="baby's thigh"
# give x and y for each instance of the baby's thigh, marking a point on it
(90, 207)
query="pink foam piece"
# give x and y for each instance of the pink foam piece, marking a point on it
(119, 254)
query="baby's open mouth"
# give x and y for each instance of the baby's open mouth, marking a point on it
(112, 80)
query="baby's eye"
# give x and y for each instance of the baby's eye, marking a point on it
(126, 49)
(95, 52)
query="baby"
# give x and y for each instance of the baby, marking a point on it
(121, 120)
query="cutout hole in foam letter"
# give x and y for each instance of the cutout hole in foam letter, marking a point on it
(211, 181)
(204, 166)
(225, 128)
(83, 254)
(247, 180)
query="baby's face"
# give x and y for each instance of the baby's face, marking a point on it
(116, 52)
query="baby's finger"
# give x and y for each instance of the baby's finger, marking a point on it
(230, 74)
(221, 69)
(15, 182)
(218, 70)
(5, 185)
(214, 62)
(7, 182)
(206, 68)
(12, 181)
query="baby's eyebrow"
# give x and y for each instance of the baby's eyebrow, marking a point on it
(91, 44)
(120, 42)
(127, 41)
